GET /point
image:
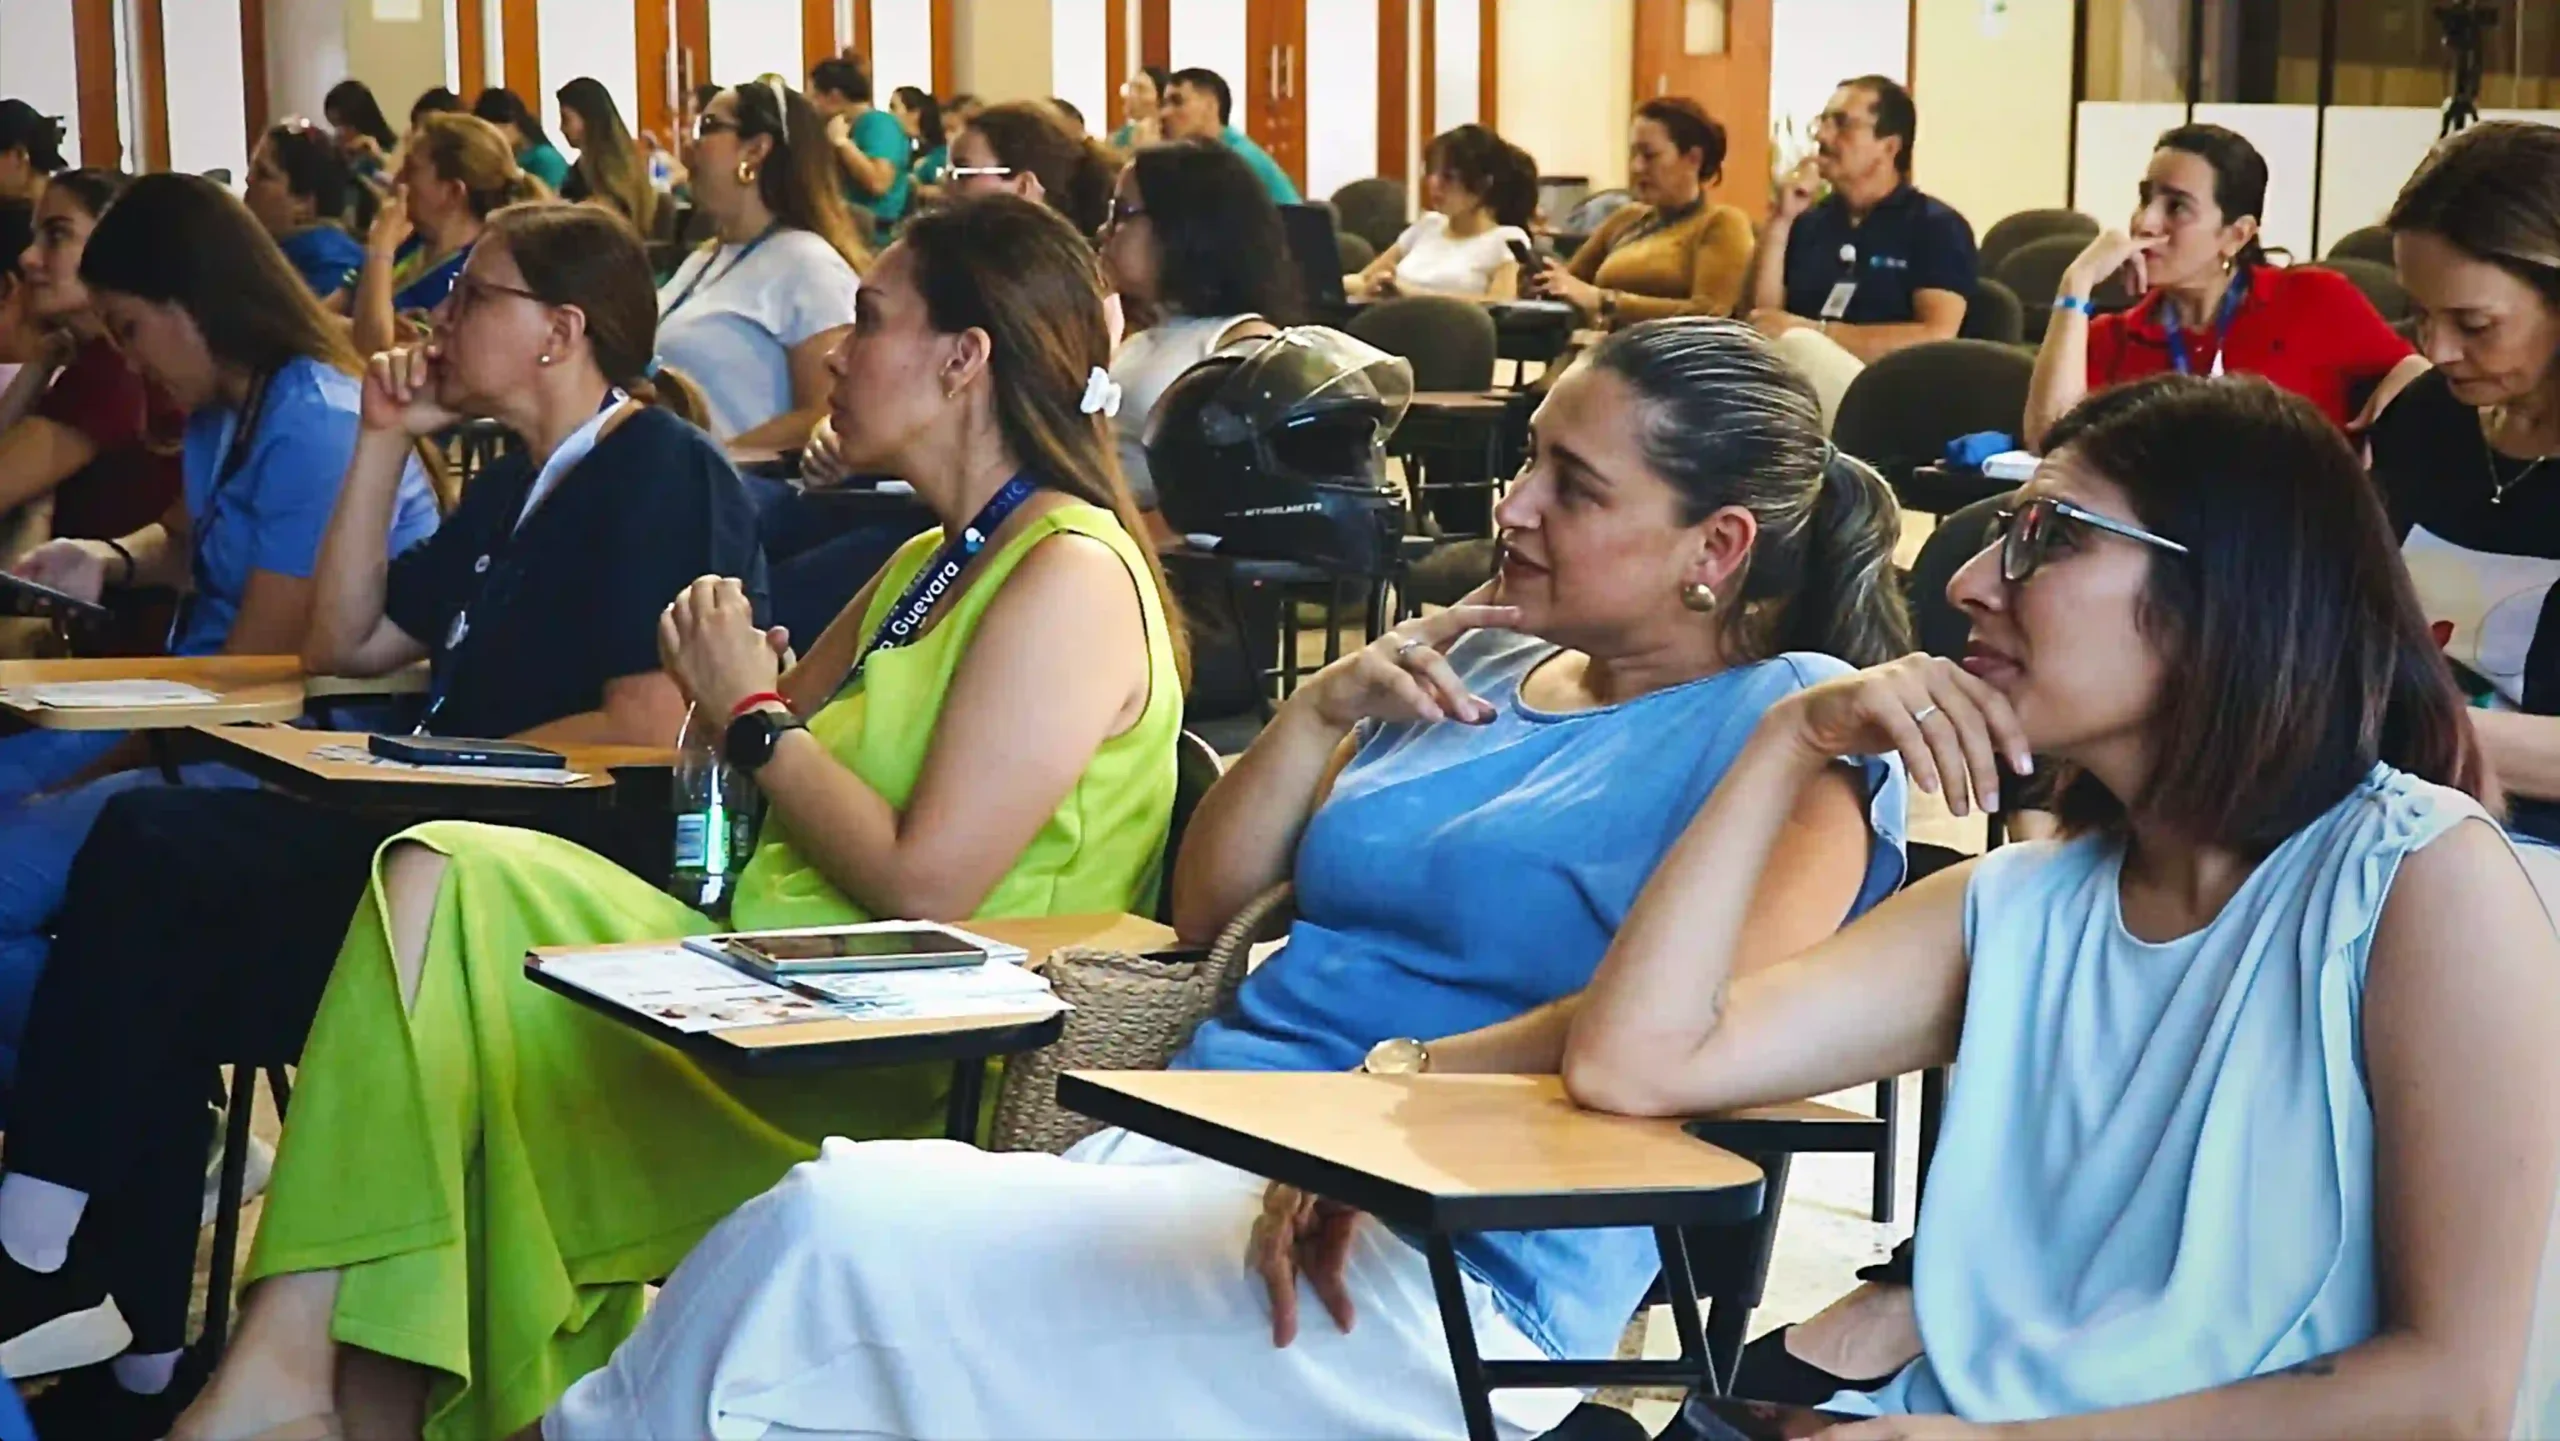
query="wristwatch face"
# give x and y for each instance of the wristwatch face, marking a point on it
(749, 741)
(1402, 1056)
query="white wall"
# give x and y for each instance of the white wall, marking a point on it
(1210, 34)
(1992, 79)
(1080, 60)
(902, 43)
(1457, 37)
(2289, 137)
(2114, 148)
(1001, 47)
(208, 111)
(1341, 86)
(1816, 44)
(1566, 82)
(38, 63)
(598, 39)
(401, 59)
(750, 38)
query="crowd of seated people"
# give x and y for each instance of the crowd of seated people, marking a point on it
(2230, 1151)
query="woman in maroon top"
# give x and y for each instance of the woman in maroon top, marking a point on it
(2210, 301)
(96, 440)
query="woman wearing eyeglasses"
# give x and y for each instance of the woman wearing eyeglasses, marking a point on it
(199, 926)
(753, 315)
(2233, 1147)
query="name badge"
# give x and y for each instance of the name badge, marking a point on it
(1836, 304)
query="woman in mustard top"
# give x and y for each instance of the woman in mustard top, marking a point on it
(1673, 252)
(479, 1175)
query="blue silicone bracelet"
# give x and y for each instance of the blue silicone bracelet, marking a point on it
(2075, 303)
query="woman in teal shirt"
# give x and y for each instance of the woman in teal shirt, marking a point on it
(921, 114)
(872, 148)
(535, 154)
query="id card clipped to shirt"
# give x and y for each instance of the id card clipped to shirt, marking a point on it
(1836, 305)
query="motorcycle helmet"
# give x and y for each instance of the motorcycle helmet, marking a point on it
(1277, 447)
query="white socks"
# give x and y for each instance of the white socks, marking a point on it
(145, 1375)
(37, 1218)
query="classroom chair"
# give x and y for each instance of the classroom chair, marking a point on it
(1374, 209)
(2033, 272)
(2004, 238)
(2369, 242)
(1900, 412)
(1993, 314)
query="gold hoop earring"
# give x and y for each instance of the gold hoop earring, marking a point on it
(746, 173)
(1699, 596)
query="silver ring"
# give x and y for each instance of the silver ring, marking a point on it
(1406, 649)
(1921, 715)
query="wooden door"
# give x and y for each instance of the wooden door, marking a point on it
(1272, 107)
(1715, 52)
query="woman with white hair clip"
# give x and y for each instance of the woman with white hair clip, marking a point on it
(1468, 806)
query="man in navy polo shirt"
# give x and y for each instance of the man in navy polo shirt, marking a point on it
(1876, 265)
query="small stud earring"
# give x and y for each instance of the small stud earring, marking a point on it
(1699, 596)
(546, 357)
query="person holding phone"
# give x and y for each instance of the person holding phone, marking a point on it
(1673, 252)
(2234, 1144)
(1479, 194)
(198, 926)
(900, 780)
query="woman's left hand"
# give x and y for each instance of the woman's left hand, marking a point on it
(1301, 1235)
(1909, 1428)
(710, 645)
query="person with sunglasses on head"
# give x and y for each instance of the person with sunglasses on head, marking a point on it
(2210, 299)
(1841, 280)
(754, 313)
(455, 172)
(198, 927)
(2231, 1149)
(298, 189)
(422, 1241)
(84, 433)
(30, 150)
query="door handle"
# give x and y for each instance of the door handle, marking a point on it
(1661, 85)
(1290, 86)
(1273, 69)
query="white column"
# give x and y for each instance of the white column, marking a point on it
(595, 38)
(1080, 60)
(1457, 34)
(208, 108)
(754, 37)
(1342, 93)
(901, 45)
(1210, 35)
(39, 64)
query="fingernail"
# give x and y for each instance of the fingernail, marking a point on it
(2026, 764)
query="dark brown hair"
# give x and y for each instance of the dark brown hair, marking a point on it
(473, 151)
(2300, 652)
(2493, 192)
(797, 182)
(2239, 176)
(608, 160)
(1019, 272)
(175, 239)
(1690, 128)
(583, 256)
(1896, 117)
(1075, 172)
(1499, 172)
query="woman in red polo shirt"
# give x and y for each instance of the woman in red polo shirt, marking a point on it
(2210, 301)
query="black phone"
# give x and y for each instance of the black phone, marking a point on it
(31, 597)
(1724, 1418)
(1523, 252)
(445, 751)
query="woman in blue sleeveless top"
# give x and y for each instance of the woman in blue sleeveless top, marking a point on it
(2247, 1136)
(1684, 552)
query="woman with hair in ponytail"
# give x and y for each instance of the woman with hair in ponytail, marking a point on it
(2210, 300)
(423, 1241)
(2233, 1147)
(1468, 806)
(455, 172)
(536, 605)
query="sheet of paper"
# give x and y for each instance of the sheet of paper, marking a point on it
(679, 988)
(998, 988)
(96, 694)
(530, 775)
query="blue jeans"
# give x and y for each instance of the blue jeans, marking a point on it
(38, 839)
(38, 759)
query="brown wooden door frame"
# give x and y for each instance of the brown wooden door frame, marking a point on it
(1155, 33)
(1271, 104)
(151, 92)
(255, 104)
(520, 21)
(93, 50)
(1733, 86)
(818, 34)
(471, 46)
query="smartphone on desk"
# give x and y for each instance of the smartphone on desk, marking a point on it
(904, 948)
(447, 751)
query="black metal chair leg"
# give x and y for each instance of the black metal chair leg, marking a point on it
(1729, 1314)
(1475, 1391)
(1889, 1111)
(226, 1209)
(960, 1116)
(1680, 1288)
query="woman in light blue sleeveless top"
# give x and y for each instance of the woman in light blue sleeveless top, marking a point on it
(2243, 1136)
(1685, 553)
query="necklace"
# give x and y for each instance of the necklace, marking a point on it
(2498, 486)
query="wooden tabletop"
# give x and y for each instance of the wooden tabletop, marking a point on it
(411, 679)
(1450, 1153)
(250, 687)
(1453, 402)
(833, 1043)
(292, 747)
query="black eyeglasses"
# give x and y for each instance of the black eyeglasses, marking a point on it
(469, 291)
(2028, 534)
(707, 125)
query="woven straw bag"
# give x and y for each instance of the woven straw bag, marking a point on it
(1132, 1013)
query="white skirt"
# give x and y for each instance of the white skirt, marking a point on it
(930, 1289)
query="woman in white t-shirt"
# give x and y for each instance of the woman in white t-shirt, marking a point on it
(1479, 191)
(752, 317)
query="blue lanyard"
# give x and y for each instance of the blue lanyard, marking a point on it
(915, 604)
(2176, 334)
(702, 276)
(235, 458)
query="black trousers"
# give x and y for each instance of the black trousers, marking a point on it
(198, 930)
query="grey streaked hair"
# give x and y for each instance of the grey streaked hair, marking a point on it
(1728, 422)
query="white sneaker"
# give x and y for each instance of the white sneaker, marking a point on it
(261, 1163)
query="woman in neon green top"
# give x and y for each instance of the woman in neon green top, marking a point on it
(479, 1175)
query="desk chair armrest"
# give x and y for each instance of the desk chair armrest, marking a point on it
(1796, 1127)
(1267, 917)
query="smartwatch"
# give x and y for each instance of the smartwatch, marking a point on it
(750, 739)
